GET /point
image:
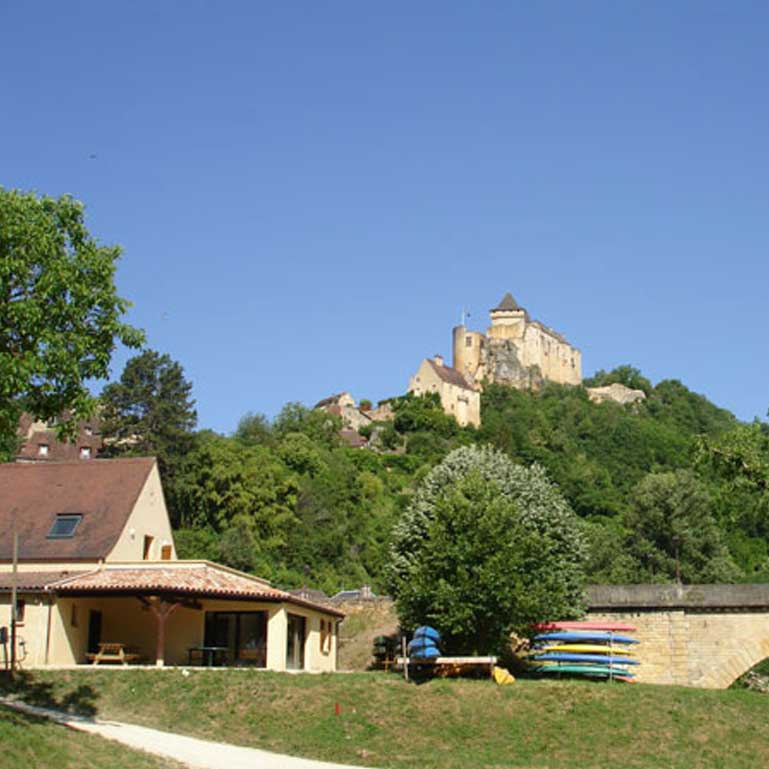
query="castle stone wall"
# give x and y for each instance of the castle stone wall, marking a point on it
(515, 351)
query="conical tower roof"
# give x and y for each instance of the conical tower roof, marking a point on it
(507, 303)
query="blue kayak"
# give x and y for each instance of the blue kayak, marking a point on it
(598, 659)
(425, 652)
(425, 631)
(594, 636)
(419, 645)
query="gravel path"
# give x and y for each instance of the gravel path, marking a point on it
(200, 754)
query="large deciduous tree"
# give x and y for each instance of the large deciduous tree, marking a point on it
(244, 495)
(673, 533)
(60, 315)
(486, 547)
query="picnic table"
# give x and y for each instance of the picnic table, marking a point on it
(112, 651)
(208, 655)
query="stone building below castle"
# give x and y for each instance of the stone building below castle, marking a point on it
(515, 350)
(458, 397)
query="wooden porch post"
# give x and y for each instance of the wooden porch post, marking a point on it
(162, 612)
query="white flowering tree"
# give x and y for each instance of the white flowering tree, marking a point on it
(486, 547)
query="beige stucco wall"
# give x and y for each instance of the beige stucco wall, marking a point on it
(52, 639)
(463, 404)
(33, 631)
(149, 517)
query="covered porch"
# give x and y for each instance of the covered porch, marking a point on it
(188, 613)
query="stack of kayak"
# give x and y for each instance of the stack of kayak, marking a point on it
(425, 643)
(587, 649)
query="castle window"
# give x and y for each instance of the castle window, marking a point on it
(42, 450)
(468, 341)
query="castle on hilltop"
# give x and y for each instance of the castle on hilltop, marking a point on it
(515, 350)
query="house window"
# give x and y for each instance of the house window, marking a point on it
(64, 526)
(21, 605)
(148, 540)
(42, 450)
(85, 452)
(165, 552)
(243, 633)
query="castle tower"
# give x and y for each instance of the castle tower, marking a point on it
(467, 349)
(508, 319)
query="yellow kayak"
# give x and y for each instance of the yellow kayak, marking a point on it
(583, 649)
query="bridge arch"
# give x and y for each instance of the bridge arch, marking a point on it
(691, 635)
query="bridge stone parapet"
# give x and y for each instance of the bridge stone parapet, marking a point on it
(691, 635)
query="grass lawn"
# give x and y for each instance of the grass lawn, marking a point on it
(386, 722)
(28, 742)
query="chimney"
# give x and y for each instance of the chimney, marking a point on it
(439, 360)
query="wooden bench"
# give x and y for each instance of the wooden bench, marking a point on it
(112, 652)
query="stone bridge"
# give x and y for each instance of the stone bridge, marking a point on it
(691, 635)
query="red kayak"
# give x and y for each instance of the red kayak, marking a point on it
(609, 626)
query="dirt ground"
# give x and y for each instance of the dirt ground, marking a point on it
(364, 621)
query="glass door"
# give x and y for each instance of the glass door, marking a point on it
(243, 633)
(296, 636)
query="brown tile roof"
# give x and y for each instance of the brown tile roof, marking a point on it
(353, 438)
(104, 491)
(330, 401)
(450, 375)
(309, 594)
(57, 449)
(184, 578)
(34, 580)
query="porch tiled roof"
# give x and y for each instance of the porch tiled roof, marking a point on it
(203, 580)
(34, 580)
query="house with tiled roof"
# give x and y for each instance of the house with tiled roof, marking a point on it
(97, 580)
(39, 441)
(458, 397)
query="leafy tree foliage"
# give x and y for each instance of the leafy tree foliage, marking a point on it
(673, 533)
(737, 466)
(316, 424)
(254, 430)
(626, 375)
(60, 315)
(483, 532)
(287, 499)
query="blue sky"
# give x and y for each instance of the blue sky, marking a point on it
(308, 193)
